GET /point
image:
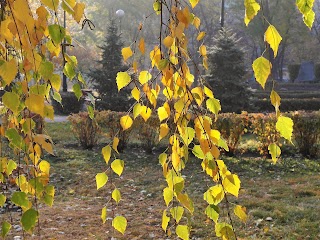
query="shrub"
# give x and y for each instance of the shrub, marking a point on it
(293, 71)
(306, 104)
(232, 126)
(264, 127)
(147, 132)
(69, 104)
(317, 71)
(307, 132)
(85, 129)
(110, 120)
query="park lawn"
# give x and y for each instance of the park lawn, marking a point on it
(282, 200)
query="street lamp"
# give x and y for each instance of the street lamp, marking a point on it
(120, 15)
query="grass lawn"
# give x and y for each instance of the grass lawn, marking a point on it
(282, 201)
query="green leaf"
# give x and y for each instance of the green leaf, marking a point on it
(123, 79)
(225, 231)
(69, 71)
(213, 105)
(104, 214)
(167, 195)
(306, 8)
(222, 143)
(15, 138)
(29, 219)
(165, 221)
(55, 81)
(163, 158)
(197, 151)
(5, 228)
(56, 96)
(101, 180)
(46, 69)
(284, 126)
(176, 213)
(117, 166)
(11, 100)
(20, 199)
(11, 166)
(212, 211)
(163, 63)
(274, 151)
(231, 184)
(188, 136)
(157, 7)
(251, 10)
(183, 232)
(2, 200)
(116, 195)
(77, 90)
(106, 153)
(273, 37)
(90, 111)
(52, 4)
(57, 33)
(262, 69)
(120, 224)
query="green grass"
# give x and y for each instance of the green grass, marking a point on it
(288, 192)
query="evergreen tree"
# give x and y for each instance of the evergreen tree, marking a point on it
(104, 77)
(227, 71)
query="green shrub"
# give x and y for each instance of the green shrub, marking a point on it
(293, 71)
(232, 126)
(307, 132)
(69, 104)
(85, 129)
(287, 105)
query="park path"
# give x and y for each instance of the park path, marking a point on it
(58, 118)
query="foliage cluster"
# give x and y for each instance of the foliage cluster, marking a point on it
(293, 70)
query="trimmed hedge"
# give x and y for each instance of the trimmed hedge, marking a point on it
(293, 71)
(287, 105)
(69, 104)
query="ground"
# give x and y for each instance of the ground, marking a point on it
(282, 201)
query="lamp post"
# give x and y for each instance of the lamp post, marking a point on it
(64, 77)
(120, 15)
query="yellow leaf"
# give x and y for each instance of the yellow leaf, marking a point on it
(116, 195)
(126, 122)
(126, 53)
(44, 167)
(164, 130)
(203, 50)
(194, 3)
(101, 180)
(201, 35)
(144, 77)
(274, 151)
(165, 221)
(35, 103)
(120, 224)
(176, 213)
(182, 230)
(167, 195)
(137, 110)
(8, 71)
(145, 113)
(123, 79)
(207, 91)
(284, 126)
(106, 153)
(168, 41)
(198, 95)
(135, 92)
(115, 144)
(231, 184)
(196, 22)
(104, 214)
(55, 81)
(52, 4)
(78, 11)
(117, 166)
(142, 46)
(251, 10)
(162, 113)
(275, 100)
(262, 69)
(306, 8)
(273, 38)
(240, 212)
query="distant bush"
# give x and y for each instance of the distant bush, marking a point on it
(307, 132)
(69, 104)
(287, 105)
(293, 71)
(85, 129)
(232, 126)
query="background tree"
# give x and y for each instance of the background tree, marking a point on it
(227, 71)
(105, 74)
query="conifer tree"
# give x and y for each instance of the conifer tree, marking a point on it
(104, 76)
(227, 72)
